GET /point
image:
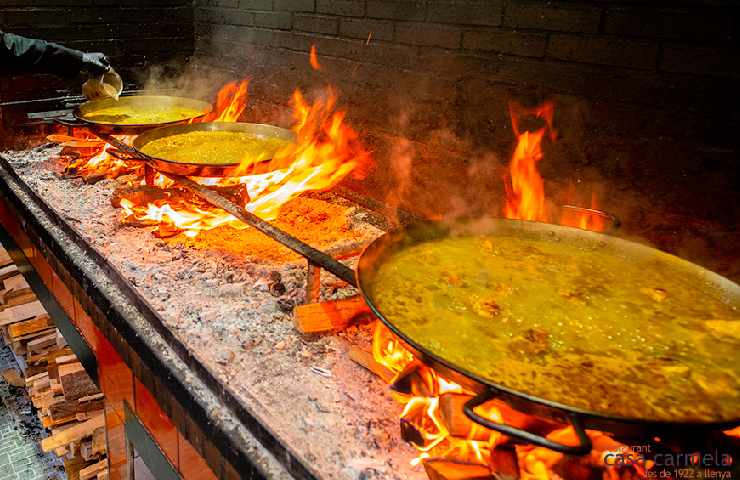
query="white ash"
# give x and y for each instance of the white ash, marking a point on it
(334, 415)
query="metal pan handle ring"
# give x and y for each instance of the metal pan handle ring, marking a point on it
(584, 442)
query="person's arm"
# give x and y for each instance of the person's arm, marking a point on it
(22, 54)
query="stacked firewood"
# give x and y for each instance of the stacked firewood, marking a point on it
(67, 401)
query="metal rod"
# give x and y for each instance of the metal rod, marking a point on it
(315, 256)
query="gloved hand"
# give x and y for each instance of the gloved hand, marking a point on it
(95, 63)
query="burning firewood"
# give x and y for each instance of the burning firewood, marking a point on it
(334, 315)
(447, 470)
(454, 419)
(366, 359)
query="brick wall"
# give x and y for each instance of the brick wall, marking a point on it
(133, 33)
(640, 88)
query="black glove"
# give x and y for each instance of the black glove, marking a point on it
(95, 63)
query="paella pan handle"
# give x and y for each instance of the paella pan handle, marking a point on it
(584, 442)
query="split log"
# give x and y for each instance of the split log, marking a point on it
(93, 470)
(42, 343)
(13, 377)
(5, 258)
(447, 470)
(73, 433)
(76, 383)
(8, 271)
(328, 316)
(98, 441)
(365, 359)
(34, 325)
(504, 463)
(457, 423)
(19, 313)
(62, 410)
(412, 381)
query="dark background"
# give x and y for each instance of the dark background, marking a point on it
(646, 92)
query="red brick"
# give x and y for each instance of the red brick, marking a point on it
(414, 11)
(345, 8)
(279, 20)
(428, 34)
(255, 4)
(316, 24)
(603, 50)
(222, 16)
(361, 28)
(558, 17)
(700, 60)
(514, 43)
(294, 5)
(699, 24)
(468, 12)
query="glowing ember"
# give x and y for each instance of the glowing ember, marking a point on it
(324, 152)
(100, 163)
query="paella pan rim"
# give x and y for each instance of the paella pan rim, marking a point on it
(209, 169)
(91, 105)
(381, 246)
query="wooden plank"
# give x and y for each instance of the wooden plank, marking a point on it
(76, 383)
(327, 316)
(19, 313)
(8, 271)
(33, 325)
(366, 359)
(74, 433)
(5, 258)
(13, 299)
(92, 471)
(42, 342)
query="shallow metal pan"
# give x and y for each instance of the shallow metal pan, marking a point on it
(134, 101)
(486, 390)
(203, 169)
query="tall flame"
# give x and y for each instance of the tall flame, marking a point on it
(525, 190)
(314, 58)
(230, 103)
(325, 151)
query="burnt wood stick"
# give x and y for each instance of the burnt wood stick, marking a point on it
(318, 257)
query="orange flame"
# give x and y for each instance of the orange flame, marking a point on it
(433, 439)
(525, 190)
(230, 103)
(324, 152)
(423, 412)
(314, 58)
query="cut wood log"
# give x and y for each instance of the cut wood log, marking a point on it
(62, 409)
(21, 298)
(74, 433)
(453, 417)
(93, 470)
(5, 258)
(328, 316)
(62, 359)
(76, 383)
(19, 313)
(505, 463)
(26, 327)
(448, 470)
(98, 441)
(365, 359)
(42, 343)
(8, 271)
(13, 377)
(15, 283)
